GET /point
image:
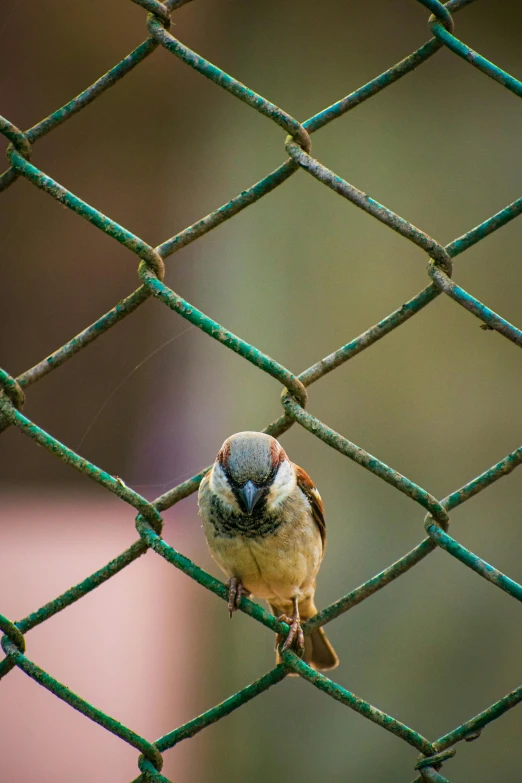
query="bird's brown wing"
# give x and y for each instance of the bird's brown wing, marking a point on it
(306, 485)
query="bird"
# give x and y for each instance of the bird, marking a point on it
(264, 523)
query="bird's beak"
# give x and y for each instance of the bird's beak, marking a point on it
(250, 495)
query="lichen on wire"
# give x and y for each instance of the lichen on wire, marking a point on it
(435, 513)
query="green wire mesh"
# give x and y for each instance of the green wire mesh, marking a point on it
(151, 269)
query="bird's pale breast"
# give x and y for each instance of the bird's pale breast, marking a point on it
(280, 565)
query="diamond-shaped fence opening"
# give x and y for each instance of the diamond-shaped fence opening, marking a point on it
(150, 261)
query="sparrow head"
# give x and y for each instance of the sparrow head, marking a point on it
(246, 468)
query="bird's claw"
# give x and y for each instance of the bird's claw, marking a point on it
(295, 638)
(235, 593)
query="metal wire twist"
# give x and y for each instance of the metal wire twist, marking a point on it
(151, 272)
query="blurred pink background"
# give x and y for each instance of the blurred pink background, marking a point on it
(127, 647)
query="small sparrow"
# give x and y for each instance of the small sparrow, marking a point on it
(264, 523)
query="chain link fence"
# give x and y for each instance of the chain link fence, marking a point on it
(294, 396)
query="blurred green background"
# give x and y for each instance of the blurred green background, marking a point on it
(298, 274)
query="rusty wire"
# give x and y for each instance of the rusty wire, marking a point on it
(151, 272)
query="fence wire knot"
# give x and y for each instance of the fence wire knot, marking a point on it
(151, 271)
(436, 760)
(12, 635)
(11, 387)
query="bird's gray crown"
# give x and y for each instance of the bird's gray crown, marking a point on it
(251, 456)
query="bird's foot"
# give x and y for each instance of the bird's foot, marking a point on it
(235, 593)
(295, 638)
